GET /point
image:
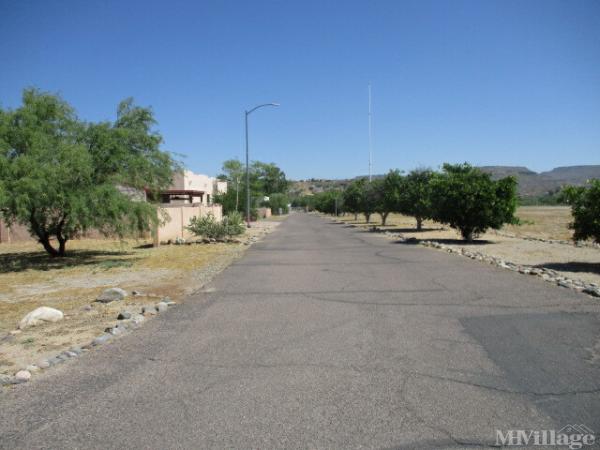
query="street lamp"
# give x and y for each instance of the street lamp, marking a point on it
(247, 113)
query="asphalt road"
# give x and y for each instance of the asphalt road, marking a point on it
(323, 336)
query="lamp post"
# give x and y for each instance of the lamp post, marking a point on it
(247, 113)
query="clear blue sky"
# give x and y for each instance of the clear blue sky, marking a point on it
(489, 82)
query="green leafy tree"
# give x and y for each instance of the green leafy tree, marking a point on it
(234, 172)
(414, 195)
(328, 202)
(265, 180)
(62, 176)
(269, 179)
(278, 201)
(470, 201)
(585, 208)
(369, 198)
(304, 201)
(387, 194)
(352, 197)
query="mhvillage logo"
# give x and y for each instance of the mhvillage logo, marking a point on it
(571, 436)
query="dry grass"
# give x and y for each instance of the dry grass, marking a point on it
(29, 279)
(546, 222)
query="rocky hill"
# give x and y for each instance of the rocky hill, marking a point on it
(534, 184)
(531, 184)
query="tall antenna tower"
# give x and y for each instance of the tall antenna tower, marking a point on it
(370, 139)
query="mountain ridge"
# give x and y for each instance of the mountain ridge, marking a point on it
(531, 183)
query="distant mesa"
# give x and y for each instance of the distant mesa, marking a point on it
(533, 184)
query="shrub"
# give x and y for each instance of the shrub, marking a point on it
(234, 224)
(209, 227)
(585, 208)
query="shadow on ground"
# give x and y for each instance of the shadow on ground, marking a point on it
(103, 259)
(573, 266)
(447, 241)
(406, 230)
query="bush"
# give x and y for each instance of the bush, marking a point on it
(234, 224)
(209, 227)
(470, 201)
(585, 208)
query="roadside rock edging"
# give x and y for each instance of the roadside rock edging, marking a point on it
(126, 322)
(544, 273)
(549, 275)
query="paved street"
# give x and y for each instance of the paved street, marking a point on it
(324, 336)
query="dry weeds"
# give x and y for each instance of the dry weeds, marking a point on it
(29, 279)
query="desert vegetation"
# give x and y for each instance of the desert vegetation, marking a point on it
(61, 176)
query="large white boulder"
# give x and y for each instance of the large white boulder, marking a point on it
(41, 315)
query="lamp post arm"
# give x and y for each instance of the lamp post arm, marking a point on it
(261, 106)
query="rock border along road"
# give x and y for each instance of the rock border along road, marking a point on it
(324, 336)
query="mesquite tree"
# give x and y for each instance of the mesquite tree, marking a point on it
(62, 176)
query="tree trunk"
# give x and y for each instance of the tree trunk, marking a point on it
(368, 217)
(45, 241)
(355, 217)
(419, 223)
(384, 217)
(62, 240)
(467, 234)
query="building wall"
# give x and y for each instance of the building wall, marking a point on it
(190, 181)
(220, 187)
(179, 217)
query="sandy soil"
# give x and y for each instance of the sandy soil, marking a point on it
(510, 243)
(29, 279)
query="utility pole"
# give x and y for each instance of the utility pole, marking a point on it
(370, 139)
(237, 192)
(246, 114)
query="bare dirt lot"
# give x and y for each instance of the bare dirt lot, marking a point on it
(511, 243)
(29, 279)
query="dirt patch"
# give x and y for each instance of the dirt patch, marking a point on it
(29, 279)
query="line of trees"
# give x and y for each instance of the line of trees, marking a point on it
(460, 196)
(266, 180)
